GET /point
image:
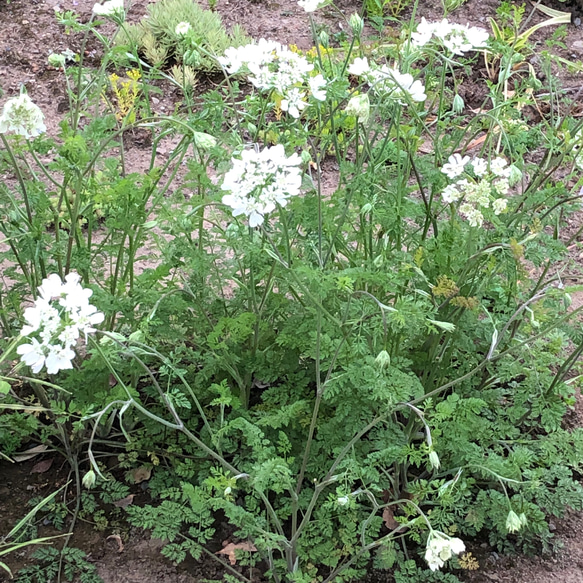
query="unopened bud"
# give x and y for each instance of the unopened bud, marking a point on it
(324, 39)
(513, 522)
(89, 479)
(383, 359)
(434, 460)
(458, 104)
(204, 141)
(57, 60)
(342, 501)
(514, 175)
(356, 23)
(359, 106)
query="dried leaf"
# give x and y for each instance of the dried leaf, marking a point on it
(129, 499)
(230, 549)
(30, 453)
(42, 466)
(389, 518)
(141, 474)
(116, 538)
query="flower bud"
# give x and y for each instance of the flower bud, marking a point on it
(458, 104)
(383, 359)
(514, 522)
(342, 501)
(306, 157)
(356, 24)
(89, 479)
(434, 460)
(514, 175)
(204, 141)
(56, 60)
(324, 39)
(359, 106)
(228, 490)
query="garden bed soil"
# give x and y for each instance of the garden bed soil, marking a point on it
(28, 34)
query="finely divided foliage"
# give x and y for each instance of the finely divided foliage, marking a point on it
(349, 368)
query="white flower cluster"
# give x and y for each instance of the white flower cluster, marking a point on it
(457, 38)
(272, 67)
(260, 180)
(440, 549)
(483, 190)
(21, 116)
(182, 28)
(388, 82)
(310, 5)
(59, 316)
(110, 9)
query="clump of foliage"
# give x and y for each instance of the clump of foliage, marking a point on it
(373, 373)
(156, 38)
(70, 564)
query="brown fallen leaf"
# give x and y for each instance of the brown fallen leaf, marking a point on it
(141, 474)
(116, 538)
(230, 549)
(389, 518)
(42, 466)
(129, 499)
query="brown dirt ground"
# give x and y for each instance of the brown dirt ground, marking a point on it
(28, 33)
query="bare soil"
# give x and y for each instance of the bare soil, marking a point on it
(28, 34)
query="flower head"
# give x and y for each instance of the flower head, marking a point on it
(455, 165)
(310, 5)
(110, 9)
(499, 167)
(389, 82)
(316, 84)
(260, 181)
(440, 549)
(456, 38)
(359, 67)
(21, 116)
(182, 28)
(272, 67)
(59, 316)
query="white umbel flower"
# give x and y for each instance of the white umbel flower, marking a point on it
(182, 28)
(389, 82)
(110, 8)
(59, 316)
(309, 5)
(359, 67)
(440, 549)
(456, 38)
(260, 181)
(21, 116)
(316, 85)
(455, 165)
